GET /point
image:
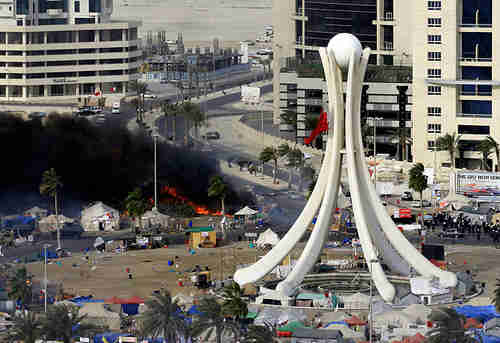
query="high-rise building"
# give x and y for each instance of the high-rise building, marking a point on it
(455, 79)
(63, 49)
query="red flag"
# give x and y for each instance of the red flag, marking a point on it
(322, 126)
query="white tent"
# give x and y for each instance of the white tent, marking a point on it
(100, 217)
(49, 223)
(267, 237)
(246, 211)
(357, 301)
(183, 299)
(418, 311)
(153, 218)
(36, 212)
(97, 312)
(397, 319)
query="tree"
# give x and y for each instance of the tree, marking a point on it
(218, 189)
(289, 117)
(495, 147)
(485, 147)
(140, 88)
(496, 299)
(63, 322)
(260, 334)
(27, 327)
(136, 205)
(449, 143)
(20, 286)
(418, 181)
(449, 327)
(271, 153)
(233, 304)
(49, 185)
(193, 113)
(212, 317)
(163, 317)
(295, 160)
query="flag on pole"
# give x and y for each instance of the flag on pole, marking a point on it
(322, 126)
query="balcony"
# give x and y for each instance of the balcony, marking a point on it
(388, 46)
(476, 93)
(474, 115)
(476, 59)
(54, 11)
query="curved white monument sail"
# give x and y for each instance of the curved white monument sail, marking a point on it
(380, 239)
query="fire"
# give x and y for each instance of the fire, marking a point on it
(199, 209)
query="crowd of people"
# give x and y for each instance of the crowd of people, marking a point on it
(466, 225)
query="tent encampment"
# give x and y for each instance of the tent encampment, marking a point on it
(246, 211)
(154, 218)
(49, 223)
(267, 237)
(100, 217)
(97, 312)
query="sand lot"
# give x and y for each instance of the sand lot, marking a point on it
(150, 268)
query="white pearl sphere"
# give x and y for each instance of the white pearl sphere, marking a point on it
(341, 46)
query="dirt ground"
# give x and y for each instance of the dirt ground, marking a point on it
(108, 277)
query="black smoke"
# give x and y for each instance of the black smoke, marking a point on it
(95, 163)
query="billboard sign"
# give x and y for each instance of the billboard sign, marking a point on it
(477, 184)
(250, 94)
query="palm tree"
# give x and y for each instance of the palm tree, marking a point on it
(496, 148)
(49, 185)
(295, 160)
(163, 317)
(271, 153)
(418, 182)
(485, 146)
(449, 143)
(27, 327)
(136, 205)
(218, 189)
(140, 88)
(193, 113)
(449, 327)
(63, 322)
(233, 304)
(496, 299)
(260, 334)
(20, 286)
(212, 318)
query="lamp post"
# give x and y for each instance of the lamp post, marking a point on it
(45, 246)
(155, 138)
(375, 123)
(371, 297)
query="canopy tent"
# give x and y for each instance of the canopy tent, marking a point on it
(49, 223)
(96, 311)
(418, 311)
(267, 237)
(380, 307)
(154, 218)
(357, 300)
(355, 321)
(182, 299)
(246, 211)
(483, 313)
(100, 217)
(393, 318)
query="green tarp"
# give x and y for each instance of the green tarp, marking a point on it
(292, 326)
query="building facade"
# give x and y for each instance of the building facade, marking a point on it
(455, 79)
(62, 49)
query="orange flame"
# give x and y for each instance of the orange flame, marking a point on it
(198, 209)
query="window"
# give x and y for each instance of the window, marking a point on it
(434, 128)
(431, 145)
(434, 39)
(77, 6)
(434, 73)
(434, 90)
(434, 56)
(434, 22)
(433, 5)
(473, 130)
(434, 111)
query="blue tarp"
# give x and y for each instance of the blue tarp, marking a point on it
(50, 254)
(19, 220)
(83, 300)
(482, 313)
(193, 310)
(110, 337)
(490, 339)
(130, 309)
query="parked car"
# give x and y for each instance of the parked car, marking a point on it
(37, 115)
(211, 135)
(450, 234)
(150, 96)
(407, 196)
(425, 203)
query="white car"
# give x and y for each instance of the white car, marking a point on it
(150, 96)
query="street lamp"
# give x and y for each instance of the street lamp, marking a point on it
(45, 246)
(371, 296)
(155, 137)
(375, 123)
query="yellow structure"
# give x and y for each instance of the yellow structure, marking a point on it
(202, 237)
